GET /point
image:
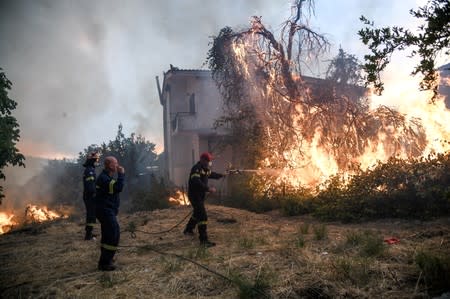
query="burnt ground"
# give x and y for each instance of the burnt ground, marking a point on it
(259, 255)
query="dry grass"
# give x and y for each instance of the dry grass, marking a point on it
(261, 253)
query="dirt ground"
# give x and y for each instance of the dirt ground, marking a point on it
(257, 256)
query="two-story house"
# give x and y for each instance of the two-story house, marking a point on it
(191, 103)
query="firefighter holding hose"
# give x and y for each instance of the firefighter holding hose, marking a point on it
(197, 188)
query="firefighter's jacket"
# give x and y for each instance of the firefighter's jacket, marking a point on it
(89, 182)
(198, 181)
(108, 189)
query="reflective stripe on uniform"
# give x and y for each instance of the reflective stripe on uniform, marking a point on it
(89, 178)
(109, 247)
(111, 186)
(202, 223)
(90, 224)
(195, 175)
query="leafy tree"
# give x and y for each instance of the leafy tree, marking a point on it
(345, 69)
(136, 155)
(431, 39)
(9, 130)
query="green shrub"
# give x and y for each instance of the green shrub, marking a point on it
(155, 197)
(247, 243)
(398, 188)
(294, 205)
(304, 228)
(354, 238)
(436, 271)
(356, 270)
(320, 232)
(258, 288)
(300, 241)
(372, 245)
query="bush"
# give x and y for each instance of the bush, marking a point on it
(356, 270)
(372, 245)
(436, 271)
(258, 288)
(397, 188)
(320, 232)
(155, 197)
(294, 205)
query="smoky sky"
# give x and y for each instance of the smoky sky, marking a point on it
(79, 68)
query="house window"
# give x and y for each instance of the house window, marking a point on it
(192, 103)
(174, 124)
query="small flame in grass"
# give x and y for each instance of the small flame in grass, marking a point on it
(6, 222)
(180, 198)
(35, 214)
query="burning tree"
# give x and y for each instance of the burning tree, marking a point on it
(304, 131)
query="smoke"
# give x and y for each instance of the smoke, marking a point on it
(81, 68)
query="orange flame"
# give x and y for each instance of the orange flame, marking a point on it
(6, 222)
(314, 164)
(35, 214)
(180, 198)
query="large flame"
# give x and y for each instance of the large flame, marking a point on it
(407, 126)
(37, 214)
(6, 222)
(180, 198)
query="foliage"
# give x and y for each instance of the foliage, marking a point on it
(345, 69)
(151, 196)
(248, 127)
(242, 194)
(415, 188)
(60, 182)
(436, 271)
(372, 245)
(431, 39)
(297, 204)
(320, 232)
(9, 130)
(304, 228)
(136, 155)
(258, 288)
(355, 270)
(274, 115)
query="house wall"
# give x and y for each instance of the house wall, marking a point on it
(189, 134)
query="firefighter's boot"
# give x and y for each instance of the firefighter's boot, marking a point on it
(106, 260)
(202, 231)
(89, 235)
(189, 230)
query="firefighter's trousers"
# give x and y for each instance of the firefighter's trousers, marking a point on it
(199, 218)
(110, 234)
(89, 203)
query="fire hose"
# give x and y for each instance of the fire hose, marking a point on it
(132, 228)
(181, 257)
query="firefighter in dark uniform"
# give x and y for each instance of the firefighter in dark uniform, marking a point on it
(107, 206)
(89, 177)
(198, 186)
